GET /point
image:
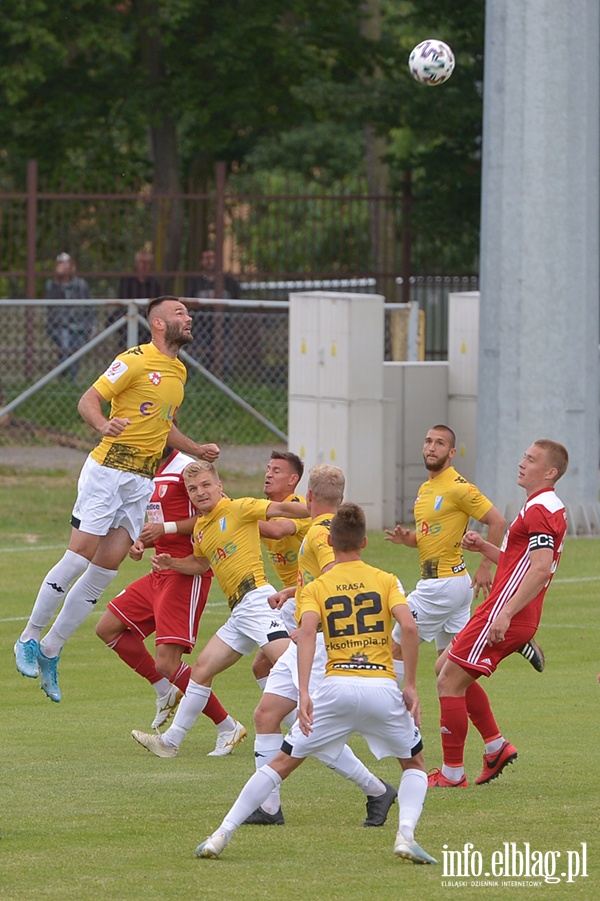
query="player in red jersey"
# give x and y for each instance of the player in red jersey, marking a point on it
(508, 617)
(167, 603)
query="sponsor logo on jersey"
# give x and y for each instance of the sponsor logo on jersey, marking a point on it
(146, 408)
(222, 553)
(155, 377)
(280, 559)
(429, 528)
(116, 370)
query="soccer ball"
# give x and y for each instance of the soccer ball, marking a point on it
(431, 62)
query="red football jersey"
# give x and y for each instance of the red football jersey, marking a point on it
(170, 502)
(541, 523)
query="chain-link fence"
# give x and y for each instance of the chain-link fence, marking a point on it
(52, 351)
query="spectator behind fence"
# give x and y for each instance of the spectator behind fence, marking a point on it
(69, 327)
(211, 346)
(140, 286)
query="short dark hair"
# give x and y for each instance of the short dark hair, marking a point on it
(348, 528)
(156, 300)
(293, 459)
(448, 430)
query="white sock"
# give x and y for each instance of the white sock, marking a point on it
(411, 797)
(190, 707)
(266, 746)
(399, 670)
(162, 687)
(52, 591)
(79, 603)
(349, 766)
(495, 745)
(226, 725)
(253, 795)
(453, 773)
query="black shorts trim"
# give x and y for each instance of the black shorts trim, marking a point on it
(287, 748)
(274, 636)
(76, 523)
(417, 748)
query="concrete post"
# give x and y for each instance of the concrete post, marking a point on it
(538, 361)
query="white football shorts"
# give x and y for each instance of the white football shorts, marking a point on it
(283, 678)
(109, 498)
(440, 607)
(370, 706)
(252, 623)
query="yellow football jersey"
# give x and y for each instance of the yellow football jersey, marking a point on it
(354, 602)
(228, 536)
(283, 552)
(146, 387)
(315, 551)
(443, 508)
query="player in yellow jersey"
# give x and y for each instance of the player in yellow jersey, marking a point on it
(227, 535)
(441, 601)
(280, 698)
(281, 537)
(354, 604)
(145, 388)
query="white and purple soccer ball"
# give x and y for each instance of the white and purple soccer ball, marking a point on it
(431, 62)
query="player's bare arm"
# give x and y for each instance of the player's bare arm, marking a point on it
(289, 509)
(181, 442)
(306, 640)
(276, 528)
(483, 577)
(154, 530)
(401, 536)
(90, 410)
(277, 600)
(410, 653)
(472, 541)
(189, 566)
(534, 580)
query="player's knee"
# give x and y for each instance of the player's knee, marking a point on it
(261, 666)
(266, 720)
(105, 632)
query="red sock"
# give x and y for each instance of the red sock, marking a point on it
(454, 724)
(132, 651)
(214, 710)
(480, 713)
(181, 677)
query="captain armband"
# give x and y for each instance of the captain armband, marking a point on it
(541, 540)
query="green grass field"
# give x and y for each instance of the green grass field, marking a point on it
(86, 813)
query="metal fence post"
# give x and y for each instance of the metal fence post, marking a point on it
(32, 189)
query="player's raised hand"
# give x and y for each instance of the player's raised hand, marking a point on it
(113, 427)
(398, 535)
(472, 541)
(151, 531)
(161, 562)
(209, 452)
(136, 551)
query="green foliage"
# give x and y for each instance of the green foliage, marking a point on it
(154, 91)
